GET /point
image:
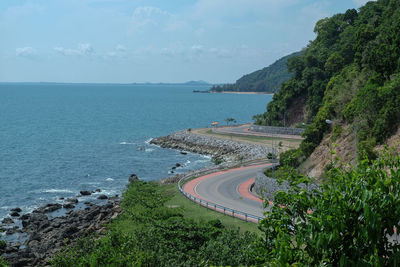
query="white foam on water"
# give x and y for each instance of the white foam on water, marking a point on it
(52, 190)
(126, 143)
(109, 179)
(149, 149)
(148, 140)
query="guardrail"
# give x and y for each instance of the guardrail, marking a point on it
(209, 205)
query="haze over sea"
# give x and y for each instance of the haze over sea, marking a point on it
(58, 139)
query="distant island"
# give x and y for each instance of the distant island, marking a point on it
(266, 80)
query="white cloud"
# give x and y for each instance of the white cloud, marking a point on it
(119, 51)
(197, 49)
(220, 52)
(120, 48)
(234, 8)
(84, 49)
(148, 16)
(27, 51)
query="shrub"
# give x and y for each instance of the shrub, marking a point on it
(346, 222)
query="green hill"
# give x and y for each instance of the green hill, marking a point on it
(268, 79)
(349, 74)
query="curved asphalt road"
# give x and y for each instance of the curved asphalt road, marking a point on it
(224, 188)
(245, 130)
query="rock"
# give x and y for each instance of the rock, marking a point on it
(102, 197)
(47, 236)
(12, 231)
(85, 193)
(173, 168)
(10, 249)
(68, 206)
(133, 178)
(7, 221)
(61, 198)
(97, 190)
(16, 210)
(49, 208)
(183, 153)
(72, 200)
(178, 165)
(14, 214)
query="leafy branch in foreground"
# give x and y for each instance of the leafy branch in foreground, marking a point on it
(348, 221)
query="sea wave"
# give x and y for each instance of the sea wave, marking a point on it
(109, 179)
(148, 141)
(52, 190)
(126, 143)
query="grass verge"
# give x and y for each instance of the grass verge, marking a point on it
(200, 214)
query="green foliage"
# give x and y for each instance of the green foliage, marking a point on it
(336, 132)
(217, 160)
(268, 79)
(350, 72)
(347, 222)
(3, 263)
(3, 244)
(291, 158)
(229, 120)
(160, 236)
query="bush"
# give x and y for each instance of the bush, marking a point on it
(3, 263)
(291, 158)
(346, 222)
(217, 160)
(160, 236)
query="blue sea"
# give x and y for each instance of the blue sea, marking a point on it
(58, 139)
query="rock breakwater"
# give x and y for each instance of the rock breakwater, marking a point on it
(228, 150)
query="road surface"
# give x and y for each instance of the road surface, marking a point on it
(229, 189)
(245, 130)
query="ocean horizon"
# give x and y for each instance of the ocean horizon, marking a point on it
(58, 139)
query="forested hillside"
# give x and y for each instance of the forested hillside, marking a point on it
(350, 75)
(268, 79)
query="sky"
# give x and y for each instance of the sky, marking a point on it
(125, 41)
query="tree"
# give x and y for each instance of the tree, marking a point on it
(229, 120)
(348, 221)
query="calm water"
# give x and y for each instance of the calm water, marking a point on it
(56, 140)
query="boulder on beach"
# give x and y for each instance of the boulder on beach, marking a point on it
(14, 214)
(72, 200)
(16, 210)
(133, 178)
(102, 197)
(85, 193)
(49, 208)
(7, 221)
(68, 206)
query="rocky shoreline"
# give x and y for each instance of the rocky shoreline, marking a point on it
(227, 150)
(45, 235)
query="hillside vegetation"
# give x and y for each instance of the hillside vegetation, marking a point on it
(352, 224)
(350, 75)
(268, 79)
